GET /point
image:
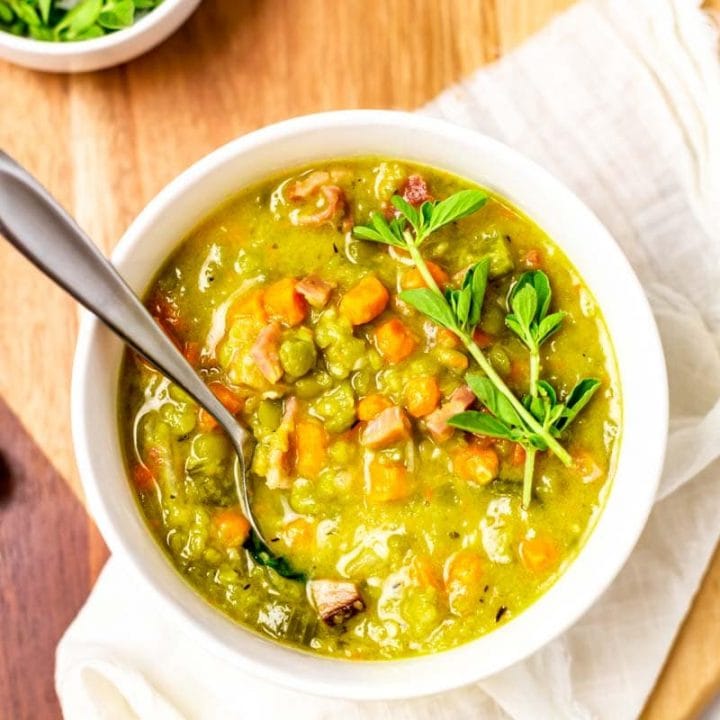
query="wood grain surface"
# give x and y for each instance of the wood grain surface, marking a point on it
(104, 143)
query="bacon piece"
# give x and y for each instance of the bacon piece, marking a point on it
(315, 291)
(461, 399)
(281, 449)
(389, 427)
(335, 198)
(416, 190)
(301, 189)
(266, 352)
(334, 600)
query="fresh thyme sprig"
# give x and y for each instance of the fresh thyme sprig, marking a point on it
(457, 310)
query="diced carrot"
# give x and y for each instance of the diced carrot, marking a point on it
(538, 554)
(232, 402)
(394, 340)
(299, 534)
(389, 427)
(477, 464)
(518, 454)
(248, 306)
(482, 339)
(424, 574)
(447, 338)
(191, 351)
(311, 447)
(586, 466)
(364, 301)
(533, 259)
(422, 395)
(371, 406)
(283, 302)
(463, 575)
(143, 479)
(230, 527)
(413, 279)
(388, 481)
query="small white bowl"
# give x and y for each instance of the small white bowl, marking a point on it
(197, 192)
(111, 49)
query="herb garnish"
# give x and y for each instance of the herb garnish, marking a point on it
(63, 20)
(540, 418)
(262, 555)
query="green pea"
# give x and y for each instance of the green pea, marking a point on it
(307, 388)
(361, 382)
(180, 417)
(336, 407)
(302, 496)
(297, 356)
(493, 320)
(342, 452)
(208, 454)
(269, 416)
(499, 360)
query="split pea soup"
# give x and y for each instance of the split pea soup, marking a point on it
(433, 397)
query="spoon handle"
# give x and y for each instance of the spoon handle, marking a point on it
(34, 222)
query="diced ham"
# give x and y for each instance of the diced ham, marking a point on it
(266, 352)
(308, 186)
(335, 601)
(416, 190)
(389, 427)
(335, 202)
(280, 457)
(315, 291)
(461, 399)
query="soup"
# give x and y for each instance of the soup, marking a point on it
(433, 397)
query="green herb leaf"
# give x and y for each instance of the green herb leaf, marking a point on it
(548, 325)
(25, 12)
(82, 17)
(264, 556)
(117, 14)
(578, 398)
(381, 231)
(482, 424)
(431, 304)
(476, 279)
(494, 400)
(45, 7)
(455, 207)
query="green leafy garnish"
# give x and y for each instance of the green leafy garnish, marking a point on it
(63, 21)
(262, 555)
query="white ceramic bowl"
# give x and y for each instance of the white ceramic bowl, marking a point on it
(198, 191)
(112, 49)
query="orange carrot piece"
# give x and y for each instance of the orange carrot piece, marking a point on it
(299, 534)
(230, 527)
(364, 301)
(477, 464)
(232, 402)
(311, 447)
(482, 339)
(586, 466)
(143, 479)
(424, 574)
(371, 406)
(463, 575)
(283, 302)
(422, 395)
(247, 306)
(538, 554)
(413, 280)
(394, 340)
(387, 481)
(518, 454)
(533, 259)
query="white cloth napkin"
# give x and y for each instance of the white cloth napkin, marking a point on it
(621, 100)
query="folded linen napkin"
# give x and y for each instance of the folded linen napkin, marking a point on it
(621, 101)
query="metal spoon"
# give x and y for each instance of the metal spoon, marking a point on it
(33, 221)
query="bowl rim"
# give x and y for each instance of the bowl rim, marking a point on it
(466, 663)
(117, 38)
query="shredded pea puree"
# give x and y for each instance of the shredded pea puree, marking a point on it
(298, 329)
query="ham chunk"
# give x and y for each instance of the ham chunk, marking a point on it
(280, 457)
(315, 291)
(416, 190)
(301, 189)
(334, 204)
(387, 428)
(461, 399)
(266, 352)
(334, 600)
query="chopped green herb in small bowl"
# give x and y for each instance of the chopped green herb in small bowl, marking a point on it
(81, 35)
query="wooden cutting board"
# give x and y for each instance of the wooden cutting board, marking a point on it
(104, 143)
